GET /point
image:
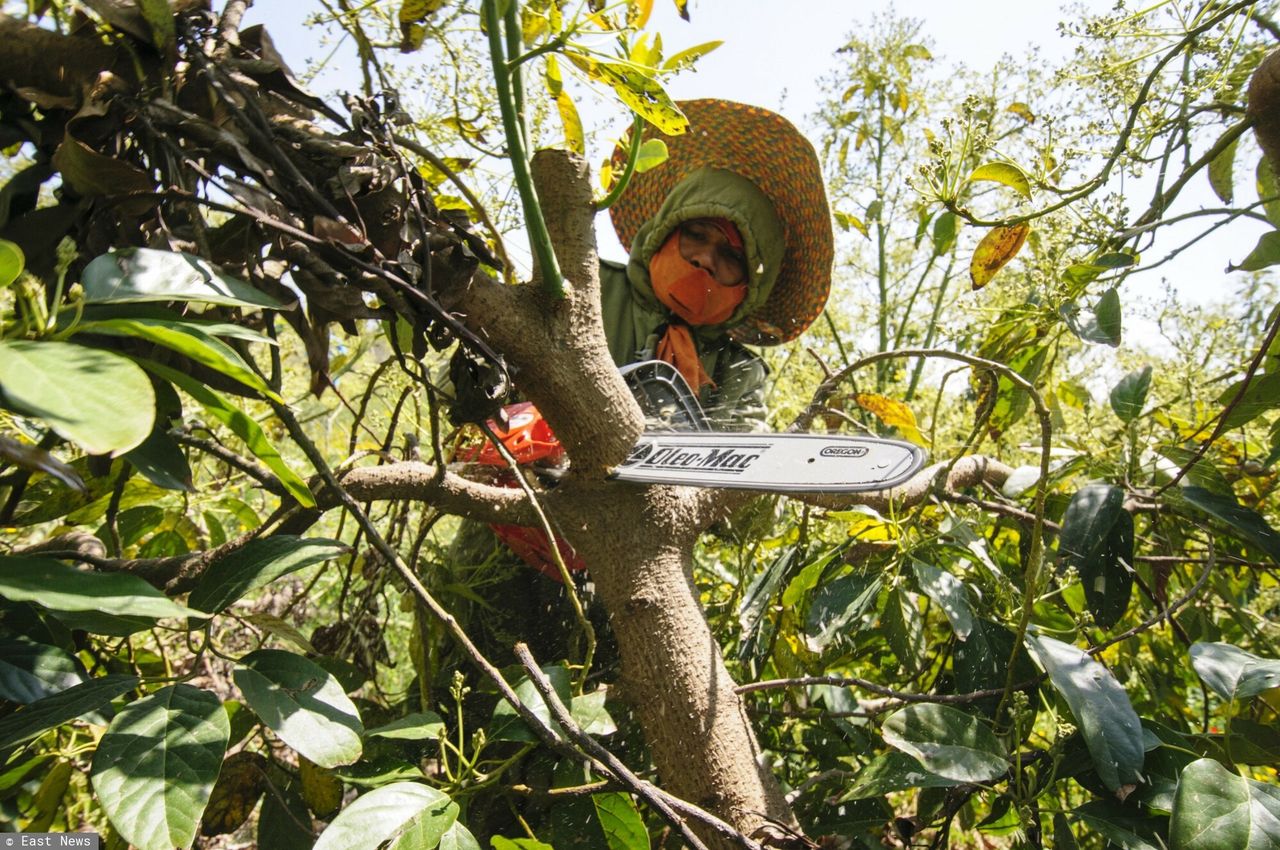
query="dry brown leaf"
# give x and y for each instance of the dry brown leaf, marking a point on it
(999, 246)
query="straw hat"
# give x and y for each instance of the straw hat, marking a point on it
(767, 149)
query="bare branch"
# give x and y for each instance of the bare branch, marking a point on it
(450, 493)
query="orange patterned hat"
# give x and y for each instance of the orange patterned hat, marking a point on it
(768, 150)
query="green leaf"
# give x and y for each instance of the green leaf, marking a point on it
(1264, 255)
(1103, 324)
(945, 228)
(458, 837)
(1268, 190)
(303, 704)
(501, 843)
(903, 627)
(12, 262)
(243, 426)
(653, 152)
(1115, 260)
(61, 587)
(62, 707)
(30, 671)
(982, 662)
(1216, 809)
(412, 727)
(425, 829)
(589, 713)
(1101, 707)
(623, 827)
(1261, 395)
(836, 604)
(1233, 673)
(155, 766)
(949, 593)
(162, 462)
(1248, 522)
(1005, 173)
(947, 742)
(1221, 174)
(284, 822)
(37, 459)
(191, 341)
(1097, 539)
(1125, 827)
(97, 399)
(382, 813)
(1130, 394)
(145, 274)
(507, 725)
(891, 772)
(256, 564)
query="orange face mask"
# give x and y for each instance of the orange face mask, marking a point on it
(688, 291)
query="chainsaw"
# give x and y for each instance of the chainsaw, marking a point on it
(679, 447)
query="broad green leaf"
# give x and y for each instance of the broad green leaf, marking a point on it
(1101, 707)
(950, 595)
(243, 426)
(589, 713)
(1097, 539)
(379, 771)
(981, 663)
(1103, 324)
(161, 461)
(1006, 173)
(276, 627)
(895, 771)
(999, 246)
(61, 587)
(191, 341)
(903, 627)
(425, 829)
(945, 228)
(284, 822)
(947, 742)
(623, 827)
(1233, 673)
(303, 704)
(507, 725)
(381, 814)
(1217, 809)
(12, 262)
(1126, 827)
(30, 671)
(256, 564)
(412, 727)
(1247, 522)
(1221, 171)
(502, 843)
(156, 765)
(1264, 255)
(1262, 394)
(458, 837)
(653, 152)
(836, 605)
(1115, 260)
(1130, 394)
(145, 274)
(62, 707)
(97, 399)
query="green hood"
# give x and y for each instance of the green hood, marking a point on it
(714, 193)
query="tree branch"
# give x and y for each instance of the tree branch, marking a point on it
(450, 493)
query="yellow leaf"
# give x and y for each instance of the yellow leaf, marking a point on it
(682, 6)
(638, 12)
(999, 246)
(893, 413)
(321, 789)
(1022, 111)
(417, 10)
(1006, 173)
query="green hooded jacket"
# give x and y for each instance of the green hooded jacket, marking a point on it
(634, 319)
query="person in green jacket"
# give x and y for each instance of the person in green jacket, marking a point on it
(730, 245)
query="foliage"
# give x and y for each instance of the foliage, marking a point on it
(1084, 650)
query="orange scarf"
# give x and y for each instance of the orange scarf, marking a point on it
(678, 348)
